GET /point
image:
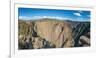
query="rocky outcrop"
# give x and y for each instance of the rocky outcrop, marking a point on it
(56, 32)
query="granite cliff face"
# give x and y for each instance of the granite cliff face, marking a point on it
(56, 32)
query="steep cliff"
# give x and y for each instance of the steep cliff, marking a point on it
(57, 32)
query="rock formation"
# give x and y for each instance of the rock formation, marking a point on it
(85, 40)
(49, 33)
(55, 31)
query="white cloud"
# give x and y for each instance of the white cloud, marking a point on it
(24, 17)
(36, 17)
(21, 17)
(82, 19)
(77, 14)
(53, 17)
(40, 17)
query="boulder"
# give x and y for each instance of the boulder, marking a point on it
(84, 41)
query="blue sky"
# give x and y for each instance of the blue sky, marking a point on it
(34, 14)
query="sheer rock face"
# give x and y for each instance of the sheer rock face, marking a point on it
(56, 32)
